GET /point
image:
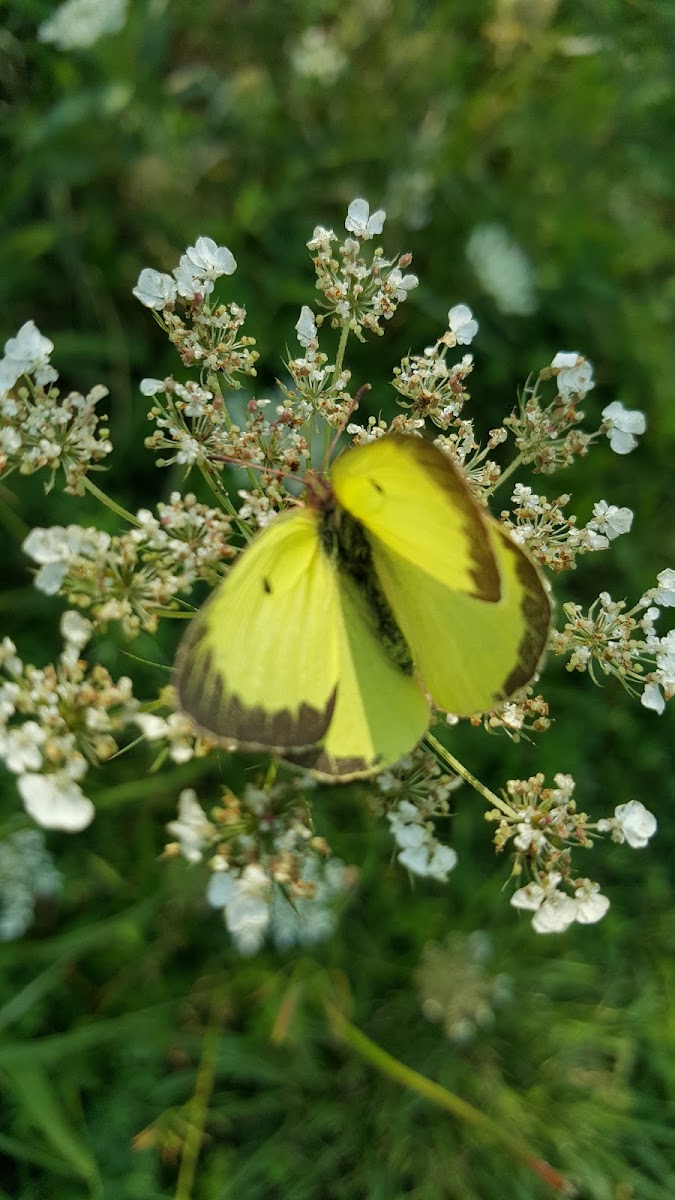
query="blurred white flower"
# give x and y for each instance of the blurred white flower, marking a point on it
(652, 698)
(591, 904)
(79, 23)
(26, 874)
(503, 269)
(154, 289)
(360, 221)
(193, 830)
(420, 852)
(632, 823)
(55, 801)
(664, 594)
(76, 630)
(555, 914)
(431, 859)
(245, 900)
(317, 56)
(461, 322)
(622, 426)
(554, 911)
(21, 747)
(54, 548)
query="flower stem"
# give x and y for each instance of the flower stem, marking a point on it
(449, 759)
(111, 504)
(442, 1098)
(339, 359)
(224, 500)
(198, 1105)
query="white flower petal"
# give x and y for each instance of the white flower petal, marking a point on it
(652, 698)
(154, 289)
(55, 801)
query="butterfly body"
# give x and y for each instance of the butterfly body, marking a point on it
(343, 621)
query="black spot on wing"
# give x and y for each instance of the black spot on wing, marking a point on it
(267, 586)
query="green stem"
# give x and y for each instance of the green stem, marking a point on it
(111, 504)
(198, 1106)
(342, 346)
(449, 759)
(441, 1097)
(224, 501)
(339, 359)
(180, 776)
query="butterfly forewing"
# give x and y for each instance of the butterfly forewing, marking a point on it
(258, 666)
(412, 500)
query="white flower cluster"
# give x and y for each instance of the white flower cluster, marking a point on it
(193, 278)
(269, 875)
(546, 434)
(623, 643)
(318, 385)
(543, 826)
(176, 739)
(431, 387)
(455, 988)
(419, 849)
(134, 576)
(553, 537)
(204, 336)
(502, 269)
(77, 24)
(359, 294)
(56, 721)
(414, 793)
(39, 428)
(27, 874)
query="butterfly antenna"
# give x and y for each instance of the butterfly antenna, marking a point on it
(353, 405)
(246, 466)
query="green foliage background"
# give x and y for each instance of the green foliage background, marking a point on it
(191, 121)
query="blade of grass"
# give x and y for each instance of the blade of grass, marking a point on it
(44, 1109)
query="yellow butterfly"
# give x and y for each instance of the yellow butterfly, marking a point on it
(344, 620)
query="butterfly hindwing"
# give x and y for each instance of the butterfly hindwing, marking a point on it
(471, 654)
(380, 711)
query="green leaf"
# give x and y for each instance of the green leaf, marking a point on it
(45, 1110)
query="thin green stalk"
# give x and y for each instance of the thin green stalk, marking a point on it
(458, 767)
(168, 781)
(224, 500)
(442, 1098)
(339, 359)
(198, 1106)
(13, 523)
(111, 504)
